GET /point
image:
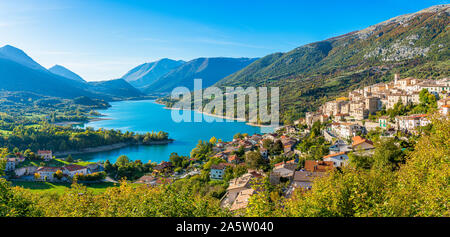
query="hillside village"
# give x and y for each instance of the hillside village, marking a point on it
(44, 167)
(343, 125)
(346, 123)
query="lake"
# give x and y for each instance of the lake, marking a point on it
(146, 116)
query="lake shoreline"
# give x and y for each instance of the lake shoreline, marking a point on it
(218, 116)
(71, 123)
(109, 148)
(141, 116)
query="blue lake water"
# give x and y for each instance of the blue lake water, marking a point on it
(146, 116)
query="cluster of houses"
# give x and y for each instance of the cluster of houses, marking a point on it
(47, 173)
(13, 162)
(302, 178)
(240, 190)
(343, 133)
(225, 150)
(363, 102)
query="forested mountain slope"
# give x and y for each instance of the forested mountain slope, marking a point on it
(412, 45)
(210, 70)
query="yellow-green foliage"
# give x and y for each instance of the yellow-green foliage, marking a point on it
(125, 200)
(420, 187)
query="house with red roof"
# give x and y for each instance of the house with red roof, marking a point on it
(339, 159)
(233, 159)
(73, 169)
(163, 166)
(360, 143)
(318, 166)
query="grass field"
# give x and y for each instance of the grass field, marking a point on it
(60, 188)
(51, 163)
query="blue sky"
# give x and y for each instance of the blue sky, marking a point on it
(102, 40)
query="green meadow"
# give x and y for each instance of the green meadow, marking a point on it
(59, 188)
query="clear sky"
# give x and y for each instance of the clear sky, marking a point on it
(103, 39)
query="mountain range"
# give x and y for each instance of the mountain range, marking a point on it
(210, 70)
(162, 76)
(414, 45)
(64, 72)
(145, 74)
(19, 72)
(16, 55)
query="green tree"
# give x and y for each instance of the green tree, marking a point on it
(388, 155)
(254, 160)
(422, 187)
(277, 148)
(122, 160)
(69, 158)
(13, 202)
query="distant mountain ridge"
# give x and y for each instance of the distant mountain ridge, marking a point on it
(64, 72)
(145, 74)
(118, 88)
(210, 70)
(19, 72)
(17, 77)
(17, 55)
(415, 45)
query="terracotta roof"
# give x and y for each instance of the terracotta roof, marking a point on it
(146, 179)
(278, 164)
(48, 169)
(306, 176)
(220, 166)
(414, 116)
(318, 166)
(363, 141)
(163, 165)
(419, 115)
(74, 167)
(333, 155)
(232, 158)
(44, 152)
(359, 140)
(242, 199)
